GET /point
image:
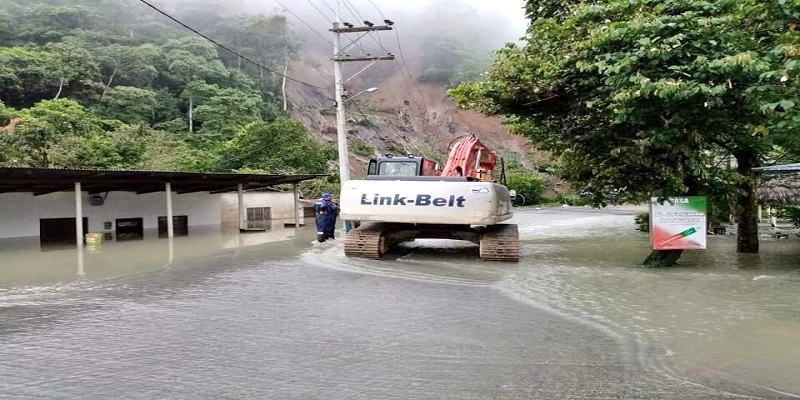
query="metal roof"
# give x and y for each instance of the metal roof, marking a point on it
(780, 168)
(41, 181)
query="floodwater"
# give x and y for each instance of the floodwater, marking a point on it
(208, 316)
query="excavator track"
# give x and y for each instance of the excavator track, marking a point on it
(500, 243)
(367, 241)
(373, 240)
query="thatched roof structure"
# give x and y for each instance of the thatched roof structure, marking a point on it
(779, 190)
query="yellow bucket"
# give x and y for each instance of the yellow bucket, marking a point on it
(94, 238)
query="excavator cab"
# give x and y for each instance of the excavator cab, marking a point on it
(402, 166)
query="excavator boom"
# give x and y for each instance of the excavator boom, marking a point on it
(469, 157)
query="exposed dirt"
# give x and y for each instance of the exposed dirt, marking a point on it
(402, 116)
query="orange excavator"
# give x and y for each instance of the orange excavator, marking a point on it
(404, 198)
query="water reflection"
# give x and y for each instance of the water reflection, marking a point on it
(24, 261)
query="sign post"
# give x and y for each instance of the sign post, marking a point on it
(678, 223)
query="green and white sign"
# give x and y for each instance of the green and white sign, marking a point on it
(678, 223)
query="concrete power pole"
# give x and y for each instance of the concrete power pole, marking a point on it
(339, 57)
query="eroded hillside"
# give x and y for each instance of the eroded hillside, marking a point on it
(404, 115)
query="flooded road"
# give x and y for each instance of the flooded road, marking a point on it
(578, 317)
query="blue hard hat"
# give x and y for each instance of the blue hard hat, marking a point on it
(326, 195)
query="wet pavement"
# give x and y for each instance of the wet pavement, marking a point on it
(577, 318)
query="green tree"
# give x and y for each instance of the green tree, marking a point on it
(280, 146)
(42, 23)
(192, 58)
(221, 112)
(130, 104)
(648, 94)
(27, 75)
(34, 141)
(76, 67)
(530, 185)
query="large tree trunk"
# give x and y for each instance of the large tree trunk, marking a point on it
(283, 85)
(60, 88)
(108, 85)
(191, 116)
(746, 203)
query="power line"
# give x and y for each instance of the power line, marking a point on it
(410, 75)
(328, 6)
(379, 42)
(320, 11)
(376, 7)
(195, 31)
(304, 22)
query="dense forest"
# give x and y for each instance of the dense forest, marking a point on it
(113, 84)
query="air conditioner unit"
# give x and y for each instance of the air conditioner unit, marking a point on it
(96, 200)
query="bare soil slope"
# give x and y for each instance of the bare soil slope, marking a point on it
(402, 116)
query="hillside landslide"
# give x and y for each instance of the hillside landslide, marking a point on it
(403, 116)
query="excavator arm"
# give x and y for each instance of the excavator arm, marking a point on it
(469, 157)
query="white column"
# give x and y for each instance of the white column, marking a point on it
(170, 230)
(78, 215)
(171, 250)
(296, 207)
(241, 206)
(81, 271)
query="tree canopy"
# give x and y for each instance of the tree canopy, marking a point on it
(652, 95)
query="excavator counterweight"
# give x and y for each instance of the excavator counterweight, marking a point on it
(407, 197)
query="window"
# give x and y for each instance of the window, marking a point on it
(259, 218)
(398, 168)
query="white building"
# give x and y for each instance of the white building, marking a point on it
(121, 205)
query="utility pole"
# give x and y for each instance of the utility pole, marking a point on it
(340, 56)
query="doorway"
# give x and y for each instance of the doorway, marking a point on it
(180, 226)
(57, 232)
(129, 229)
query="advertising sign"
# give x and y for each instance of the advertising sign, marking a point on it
(678, 223)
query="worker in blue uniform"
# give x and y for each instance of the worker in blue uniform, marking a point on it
(324, 217)
(334, 214)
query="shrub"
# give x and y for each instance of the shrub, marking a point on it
(527, 184)
(792, 214)
(642, 222)
(361, 147)
(573, 200)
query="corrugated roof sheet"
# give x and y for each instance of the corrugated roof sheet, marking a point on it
(49, 180)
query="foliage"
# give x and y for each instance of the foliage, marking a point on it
(527, 184)
(650, 95)
(572, 200)
(452, 60)
(792, 214)
(279, 146)
(642, 222)
(361, 147)
(102, 84)
(315, 187)
(455, 46)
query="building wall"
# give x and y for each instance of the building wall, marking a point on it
(281, 207)
(20, 212)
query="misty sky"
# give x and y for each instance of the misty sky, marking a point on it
(511, 9)
(400, 10)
